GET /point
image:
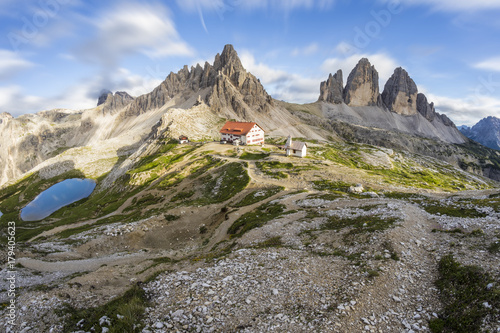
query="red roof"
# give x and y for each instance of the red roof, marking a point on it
(239, 128)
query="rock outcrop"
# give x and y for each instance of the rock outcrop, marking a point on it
(486, 132)
(332, 89)
(400, 93)
(112, 103)
(427, 110)
(103, 96)
(362, 86)
(224, 85)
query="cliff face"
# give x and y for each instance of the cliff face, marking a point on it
(224, 85)
(332, 89)
(112, 103)
(400, 93)
(362, 86)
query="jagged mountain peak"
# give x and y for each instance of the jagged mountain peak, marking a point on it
(223, 85)
(400, 93)
(331, 90)
(486, 132)
(362, 85)
(229, 57)
(110, 102)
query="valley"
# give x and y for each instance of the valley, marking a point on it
(389, 223)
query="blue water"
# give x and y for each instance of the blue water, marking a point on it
(56, 197)
(1, 214)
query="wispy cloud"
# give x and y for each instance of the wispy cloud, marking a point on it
(11, 63)
(306, 51)
(133, 28)
(454, 5)
(281, 84)
(468, 110)
(491, 64)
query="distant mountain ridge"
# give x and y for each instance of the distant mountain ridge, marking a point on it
(486, 132)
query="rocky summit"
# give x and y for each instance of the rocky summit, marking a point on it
(389, 222)
(362, 85)
(400, 93)
(332, 90)
(486, 132)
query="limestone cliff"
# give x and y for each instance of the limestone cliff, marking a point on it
(400, 93)
(223, 85)
(331, 90)
(362, 85)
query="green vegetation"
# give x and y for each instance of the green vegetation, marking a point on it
(467, 296)
(225, 183)
(253, 156)
(256, 218)
(272, 168)
(358, 225)
(455, 211)
(156, 164)
(271, 242)
(182, 196)
(258, 195)
(131, 306)
(411, 171)
(494, 247)
(335, 187)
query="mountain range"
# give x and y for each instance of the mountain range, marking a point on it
(196, 101)
(486, 132)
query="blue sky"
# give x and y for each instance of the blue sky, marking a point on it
(61, 53)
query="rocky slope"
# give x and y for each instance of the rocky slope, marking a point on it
(224, 87)
(225, 90)
(486, 132)
(161, 251)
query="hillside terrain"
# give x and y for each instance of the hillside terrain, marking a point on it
(390, 224)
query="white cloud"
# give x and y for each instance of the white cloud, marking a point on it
(384, 64)
(468, 110)
(11, 63)
(81, 95)
(454, 5)
(307, 50)
(491, 64)
(16, 101)
(132, 28)
(280, 84)
(222, 6)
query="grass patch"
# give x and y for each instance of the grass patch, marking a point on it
(271, 242)
(494, 247)
(273, 168)
(466, 297)
(326, 185)
(253, 156)
(358, 225)
(258, 195)
(256, 218)
(182, 196)
(226, 182)
(131, 306)
(441, 209)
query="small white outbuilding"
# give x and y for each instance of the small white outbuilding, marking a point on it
(296, 148)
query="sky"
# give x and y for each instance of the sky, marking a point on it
(62, 53)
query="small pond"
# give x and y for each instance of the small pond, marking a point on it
(1, 214)
(56, 197)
